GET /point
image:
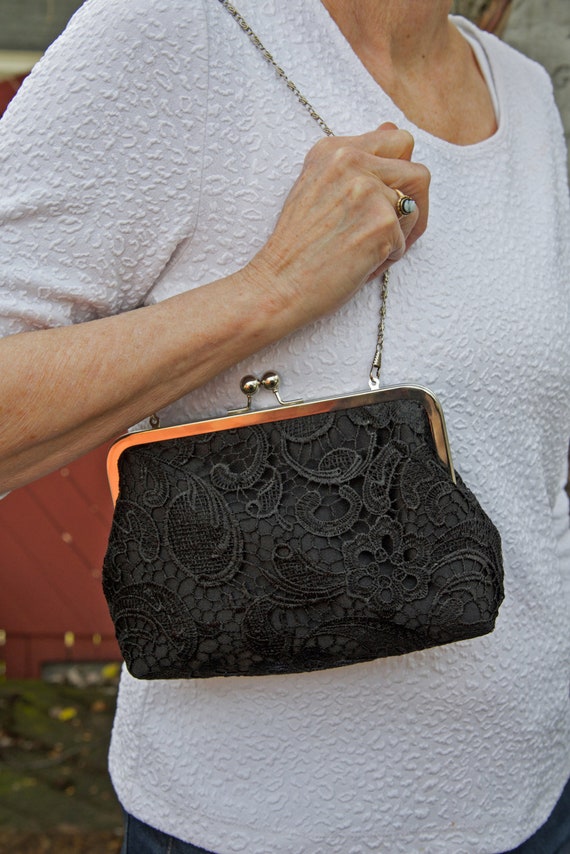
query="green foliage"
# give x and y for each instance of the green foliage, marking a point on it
(53, 757)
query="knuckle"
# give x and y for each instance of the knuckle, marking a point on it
(408, 142)
(318, 150)
(345, 157)
(361, 186)
(423, 174)
(388, 222)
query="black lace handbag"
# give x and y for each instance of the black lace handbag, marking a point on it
(302, 537)
(307, 536)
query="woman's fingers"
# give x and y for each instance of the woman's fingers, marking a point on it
(386, 141)
(340, 222)
(413, 182)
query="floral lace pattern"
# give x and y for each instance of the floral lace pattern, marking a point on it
(304, 544)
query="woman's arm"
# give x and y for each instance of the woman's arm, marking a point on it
(66, 390)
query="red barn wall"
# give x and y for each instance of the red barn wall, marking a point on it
(53, 535)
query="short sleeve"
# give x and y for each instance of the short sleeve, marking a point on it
(100, 162)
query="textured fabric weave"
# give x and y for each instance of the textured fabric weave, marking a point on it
(150, 152)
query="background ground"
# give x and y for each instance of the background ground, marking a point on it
(55, 793)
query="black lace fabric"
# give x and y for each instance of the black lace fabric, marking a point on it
(297, 545)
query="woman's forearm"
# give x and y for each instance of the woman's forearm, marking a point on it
(66, 390)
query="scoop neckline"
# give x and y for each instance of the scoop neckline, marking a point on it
(346, 57)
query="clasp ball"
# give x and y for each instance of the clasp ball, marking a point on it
(249, 384)
(270, 381)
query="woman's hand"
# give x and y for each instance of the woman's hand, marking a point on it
(339, 224)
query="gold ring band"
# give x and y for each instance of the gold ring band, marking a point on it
(405, 204)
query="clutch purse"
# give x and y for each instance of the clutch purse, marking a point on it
(301, 537)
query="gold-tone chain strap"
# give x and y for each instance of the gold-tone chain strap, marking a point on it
(374, 376)
(267, 56)
(376, 366)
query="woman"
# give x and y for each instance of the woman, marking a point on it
(154, 149)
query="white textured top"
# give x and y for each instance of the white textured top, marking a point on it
(150, 152)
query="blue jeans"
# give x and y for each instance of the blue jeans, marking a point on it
(552, 838)
(140, 838)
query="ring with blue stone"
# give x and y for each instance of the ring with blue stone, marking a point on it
(405, 204)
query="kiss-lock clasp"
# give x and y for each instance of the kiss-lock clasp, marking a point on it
(250, 385)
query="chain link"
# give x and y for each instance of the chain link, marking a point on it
(376, 367)
(269, 58)
(374, 376)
